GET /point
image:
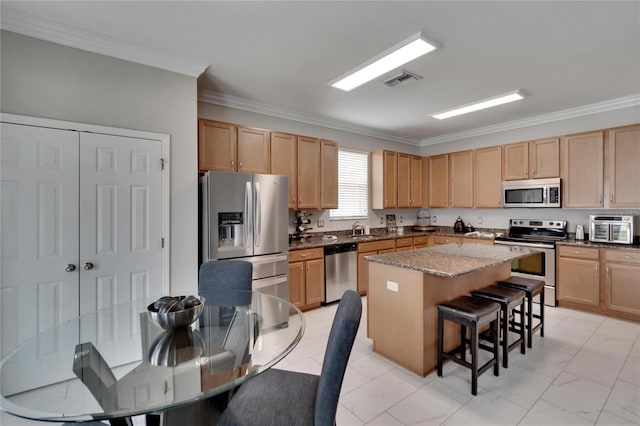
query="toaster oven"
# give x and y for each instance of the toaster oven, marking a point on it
(612, 229)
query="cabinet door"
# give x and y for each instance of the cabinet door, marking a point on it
(439, 181)
(441, 239)
(425, 182)
(415, 182)
(487, 177)
(578, 281)
(389, 160)
(284, 161)
(583, 170)
(544, 158)
(308, 173)
(253, 150)
(624, 167)
(314, 280)
(216, 146)
(297, 284)
(515, 164)
(328, 175)
(461, 179)
(404, 179)
(363, 272)
(622, 288)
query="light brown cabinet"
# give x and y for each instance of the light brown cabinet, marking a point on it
(622, 285)
(369, 249)
(423, 241)
(225, 147)
(487, 177)
(284, 161)
(409, 191)
(328, 175)
(306, 278)
(404, 243)
(442, 239)
(624, 167)
(583, 170)
(578, 278)
(439, 180)
(461, 179)
(383, 181)
(483, 241)
(532, 160)
(308, 173)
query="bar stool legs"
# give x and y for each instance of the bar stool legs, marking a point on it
(532, 288)
(472, 313)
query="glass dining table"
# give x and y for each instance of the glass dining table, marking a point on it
(117, 363)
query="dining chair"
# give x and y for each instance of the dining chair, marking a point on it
(279, 397)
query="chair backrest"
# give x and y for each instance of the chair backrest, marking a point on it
(219, 278)
(341, 338)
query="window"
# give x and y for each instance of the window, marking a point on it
(353, 193)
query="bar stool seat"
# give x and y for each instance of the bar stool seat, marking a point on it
(470, 312)
(532, 288)
(509, 299)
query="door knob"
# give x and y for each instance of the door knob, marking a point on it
(87, 266)
(70, 267)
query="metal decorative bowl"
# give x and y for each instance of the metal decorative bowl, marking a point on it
(176, 346)
(170, 313)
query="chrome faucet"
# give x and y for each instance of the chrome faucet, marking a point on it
(357, 229)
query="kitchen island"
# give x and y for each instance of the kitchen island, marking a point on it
(405, 289)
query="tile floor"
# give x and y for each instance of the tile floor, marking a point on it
(585, 371)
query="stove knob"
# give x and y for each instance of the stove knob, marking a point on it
(550, 223)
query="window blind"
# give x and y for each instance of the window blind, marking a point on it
(353, 193)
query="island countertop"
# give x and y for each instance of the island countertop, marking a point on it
(452, 260)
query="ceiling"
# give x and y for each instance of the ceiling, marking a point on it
(279, 56)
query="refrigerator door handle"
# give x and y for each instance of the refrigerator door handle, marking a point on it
(258, 218)
(248, 226)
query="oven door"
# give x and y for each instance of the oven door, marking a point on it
(539, 266)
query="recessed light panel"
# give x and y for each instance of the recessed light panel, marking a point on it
(395, 57)
(487, 103)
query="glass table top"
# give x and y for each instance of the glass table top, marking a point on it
(118, 363)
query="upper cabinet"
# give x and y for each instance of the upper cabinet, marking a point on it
(228, 148)
(308, 173)
(328, 175)
(461, 179)
(409, 181)
(284, 161)
(487, 177)
(216, 146)
(583, 170)
(531, 160)
(383, 180)
(439, 181)
(415, 181)
(624, 167)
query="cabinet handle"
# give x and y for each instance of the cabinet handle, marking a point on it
(534, 171)
(597, 268)
(304, 255)
(578, 252)
(626, 257)
(232, 162)
(611, 198)
(240, 164)
(526, 172)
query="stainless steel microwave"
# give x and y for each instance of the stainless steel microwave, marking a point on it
(612, 229)
(531, 193)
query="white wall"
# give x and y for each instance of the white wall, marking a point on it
(43, 79)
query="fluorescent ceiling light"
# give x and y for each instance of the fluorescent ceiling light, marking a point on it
(398, 55)
(487, 103)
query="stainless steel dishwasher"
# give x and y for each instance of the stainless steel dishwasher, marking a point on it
(340, 263)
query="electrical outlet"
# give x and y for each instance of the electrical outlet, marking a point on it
(479, 220)
(392, 286)
(434, 219)
(381, 221)
(401, 219)
(321, 224)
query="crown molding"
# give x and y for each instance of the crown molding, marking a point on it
(29, 25)
(610, 105)
(230, 101)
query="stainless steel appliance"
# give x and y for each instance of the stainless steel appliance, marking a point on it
(532, 193)
(340, 263)
(612, 229)
(245, 216)
(542, 236)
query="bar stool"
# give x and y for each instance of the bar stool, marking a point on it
(474, 313)
(532, 288)
(508, 299)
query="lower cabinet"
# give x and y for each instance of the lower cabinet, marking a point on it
(306, 278)
(622, 282)
(369, 249)
(599, 280)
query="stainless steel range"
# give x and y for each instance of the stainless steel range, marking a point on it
(541, 235)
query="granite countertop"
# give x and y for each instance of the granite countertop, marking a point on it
(452, 260)
(589, 244)
(344, 237)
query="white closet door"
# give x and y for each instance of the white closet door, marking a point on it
(39, 250)
(120, 232)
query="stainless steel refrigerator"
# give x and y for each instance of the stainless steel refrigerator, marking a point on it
(245, 216)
